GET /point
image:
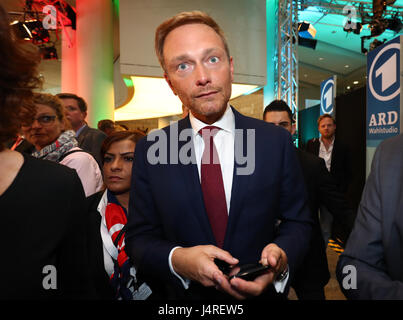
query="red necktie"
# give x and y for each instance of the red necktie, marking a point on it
(212, 185)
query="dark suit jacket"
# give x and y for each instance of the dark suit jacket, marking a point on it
(322, 190)
(167, 210)
(340, 166)
(375, 246)
(91, 140)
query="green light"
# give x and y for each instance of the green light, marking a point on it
(117, 6)
(128, 82)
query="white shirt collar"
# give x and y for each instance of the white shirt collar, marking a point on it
(226, 122)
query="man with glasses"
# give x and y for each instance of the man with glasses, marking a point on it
(313, 274)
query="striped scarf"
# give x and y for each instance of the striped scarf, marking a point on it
(55, 150)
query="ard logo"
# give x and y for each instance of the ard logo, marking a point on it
(383, 77)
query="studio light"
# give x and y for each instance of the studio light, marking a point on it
(48, 52)
(32, 30)
(394, 24)
(306, 30)
(306, 42)
(353, 27)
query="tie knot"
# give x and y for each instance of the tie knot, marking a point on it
(208, 131)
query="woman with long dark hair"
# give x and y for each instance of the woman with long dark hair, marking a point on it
(42, 204)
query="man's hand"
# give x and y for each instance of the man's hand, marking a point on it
(197, 263)
(275, 257)
(241, 289)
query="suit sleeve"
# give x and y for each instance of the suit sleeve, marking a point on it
(295, 229)
(365, 248)
(145, 243)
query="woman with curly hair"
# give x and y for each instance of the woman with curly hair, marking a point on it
(42, 203)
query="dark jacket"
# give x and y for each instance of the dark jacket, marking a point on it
(340, 166)
(322, 190)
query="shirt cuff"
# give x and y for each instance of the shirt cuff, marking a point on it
(185, 282)
(280, 285)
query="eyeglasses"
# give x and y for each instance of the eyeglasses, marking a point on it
(43, 120)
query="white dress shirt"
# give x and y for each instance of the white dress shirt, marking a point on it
(326, 154)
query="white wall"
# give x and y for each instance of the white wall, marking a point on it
(243, 22)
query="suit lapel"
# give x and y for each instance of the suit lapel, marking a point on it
(317, 146)
(82, 135)
(190, 177)
(239, 182)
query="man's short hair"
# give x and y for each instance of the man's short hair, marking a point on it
(80, 101)
(181, 19)
(106, 124)
(279, 106)
(326, 115)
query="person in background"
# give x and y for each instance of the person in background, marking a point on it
(313, 275)
(338, 162)
(89, 139)
(184, 218)
(372, 263)
(48, 133)
(107, 126)
(42, 203)
(114, 275)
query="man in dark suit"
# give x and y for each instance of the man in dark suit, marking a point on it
(184, 215)
(371, 266)
(313, 274)
(337, 158)
(338, 163)
(89, 139)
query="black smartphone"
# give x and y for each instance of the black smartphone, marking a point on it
(249, 272)
(223, 266)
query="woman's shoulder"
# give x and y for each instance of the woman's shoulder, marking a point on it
(50, 175)
(35, 165)
(77, 154)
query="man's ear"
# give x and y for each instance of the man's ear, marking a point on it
(231, 64)
(169, 83)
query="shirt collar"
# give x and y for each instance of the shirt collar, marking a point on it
(81, 129)
(226, 122)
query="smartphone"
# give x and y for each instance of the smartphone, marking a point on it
(249, 272)
(223, 266)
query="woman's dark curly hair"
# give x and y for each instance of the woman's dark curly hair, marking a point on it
(18, 77)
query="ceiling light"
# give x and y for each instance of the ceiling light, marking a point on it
(321, 58)
(355, 82)
(346, 66)
(348, 87)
